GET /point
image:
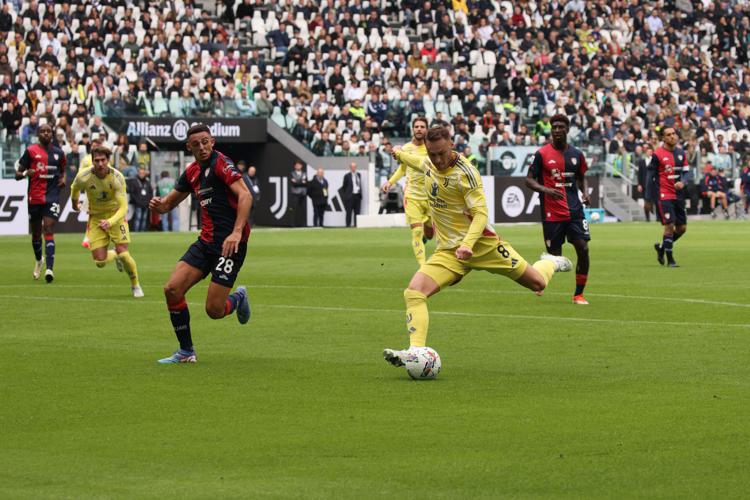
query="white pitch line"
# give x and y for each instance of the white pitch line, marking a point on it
(456, 290)
(400, 311)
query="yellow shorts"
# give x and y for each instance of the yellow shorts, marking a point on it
(98, 237)
(417, 211)
(490, 254)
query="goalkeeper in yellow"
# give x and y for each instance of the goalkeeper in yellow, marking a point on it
(108, 205)
(415, 198)
(465, 240)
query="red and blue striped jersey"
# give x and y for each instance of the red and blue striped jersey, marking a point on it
(210, 184)
(557, 170)
(670, 167)
(46, 167)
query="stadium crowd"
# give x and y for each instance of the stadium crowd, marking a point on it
(342, 75)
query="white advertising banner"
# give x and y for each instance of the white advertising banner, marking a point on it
(335, 215)
(14, 211)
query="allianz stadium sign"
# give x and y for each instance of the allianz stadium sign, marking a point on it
(174, 130)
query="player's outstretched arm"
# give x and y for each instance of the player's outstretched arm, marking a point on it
(244, 202)
(398, 174)
(164, 204)
(408, 160)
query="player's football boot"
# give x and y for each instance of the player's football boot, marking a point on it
(672, 264)
(578, 299)
(243, 305)
(659, 253)
(49, 275)
(393, 356)
(179, 356)
(562, 264)
(38, 269)
(137, 291)
(85, 243)
(118, 263)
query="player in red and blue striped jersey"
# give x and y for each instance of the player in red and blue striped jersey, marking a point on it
(670, 166)
(221, 246)
(557, 173)
(44, 165)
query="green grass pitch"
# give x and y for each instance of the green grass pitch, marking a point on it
(644, 393)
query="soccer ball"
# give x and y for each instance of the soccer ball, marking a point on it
(595, 216)
(422, 363)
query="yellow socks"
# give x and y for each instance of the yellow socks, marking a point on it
(129, 264)
(546, 268)
(417, 317)
(417, 244)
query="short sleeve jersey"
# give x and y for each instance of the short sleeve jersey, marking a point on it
(670, 167)
(45, 167)
(210, 184)
(557, 170)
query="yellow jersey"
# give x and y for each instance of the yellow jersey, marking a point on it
(456, 199)
(107, 197)
(414, 178)
(87, 162)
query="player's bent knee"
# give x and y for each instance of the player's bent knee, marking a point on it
(172, 293)
(214, 312)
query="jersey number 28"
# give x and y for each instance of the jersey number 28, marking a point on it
(225, 265)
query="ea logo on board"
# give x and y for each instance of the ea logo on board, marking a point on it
(513, 201)
(180, 129)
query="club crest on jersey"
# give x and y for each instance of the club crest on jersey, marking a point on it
(55, 156)
(446, 181)
(208, 170)
(574, 161)
(434, 189)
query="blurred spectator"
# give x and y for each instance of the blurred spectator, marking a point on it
(317, 190)
(169, 221)
(298, 179)
(141, 193)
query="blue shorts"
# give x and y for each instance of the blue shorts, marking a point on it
(207, 258)
(555, 233)
(672, 212)
(38, 211)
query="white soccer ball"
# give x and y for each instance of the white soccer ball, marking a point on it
(422, 363)
(595, 216)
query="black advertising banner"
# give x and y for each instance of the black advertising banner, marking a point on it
(514, 202)
(164, 130)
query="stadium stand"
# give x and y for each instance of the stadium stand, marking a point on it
(341, 74)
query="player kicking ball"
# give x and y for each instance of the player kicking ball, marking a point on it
(107, 206)
(221, 246)
(557, 172)
(465, 240)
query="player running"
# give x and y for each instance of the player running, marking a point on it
(745, 187)
(670, 166)
(88, 162)
(107, 206)
(415, 198)
(557, 172)
(222, 245)
(465, 240)
(44, 165)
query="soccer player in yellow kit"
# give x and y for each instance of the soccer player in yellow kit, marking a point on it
(415, 198)
(108, 203)
(88, 162)
(465, 240)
